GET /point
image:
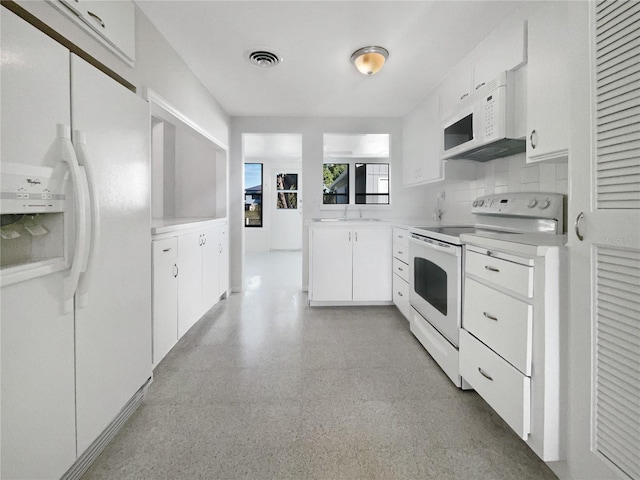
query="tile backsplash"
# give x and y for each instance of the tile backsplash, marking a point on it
(465, 181)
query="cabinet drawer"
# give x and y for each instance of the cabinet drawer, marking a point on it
(401, 252)
(506, 274)
(401, 295)
(401, 269)
(401, 236)
(166, 249)
(501, 322)
(503, 387)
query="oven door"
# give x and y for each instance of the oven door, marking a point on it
(435, 270)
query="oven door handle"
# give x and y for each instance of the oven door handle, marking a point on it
(452, 250)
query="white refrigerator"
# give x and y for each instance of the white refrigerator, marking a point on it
(76, 323)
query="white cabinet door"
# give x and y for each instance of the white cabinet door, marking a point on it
(113, 22)
(372, 274)
(165, 297)
(456, 88)
(547, 90)
(189, 281)
(331, 264)
(505, 49)
(422, 144)
(223, 248)
(210, 269)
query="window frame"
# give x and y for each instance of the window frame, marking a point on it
(367, 194)
(260, 195)
(347, 194)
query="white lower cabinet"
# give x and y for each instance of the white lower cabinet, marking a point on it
(510, 343)
(350, 264)
(505, 388)
(190, 274)
(210, 270)
(189, 281)
(165, 297)
(401, 271)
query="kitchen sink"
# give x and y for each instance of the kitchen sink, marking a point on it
(346, 220)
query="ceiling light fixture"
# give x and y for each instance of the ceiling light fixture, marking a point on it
(369, 60)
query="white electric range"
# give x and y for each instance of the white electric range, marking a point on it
(436, 264)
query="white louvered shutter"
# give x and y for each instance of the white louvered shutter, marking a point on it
(617, 282)
(618, 104)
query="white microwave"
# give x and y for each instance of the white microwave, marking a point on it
(484, 126)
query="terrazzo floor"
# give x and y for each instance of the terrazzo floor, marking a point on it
(266, 387)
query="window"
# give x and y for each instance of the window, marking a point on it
(372, 183)
(347, 153)
(335, 185)
(253, 195)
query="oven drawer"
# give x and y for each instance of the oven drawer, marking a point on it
(401, 269)
(506, 274)
(503, 387)
(445, 354)
(401, 252)
(401, 295)
(501, 322)
(401, 236)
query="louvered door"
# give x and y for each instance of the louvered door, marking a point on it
(604, 349)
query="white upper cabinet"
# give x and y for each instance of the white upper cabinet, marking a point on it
(504, 49)
(547, 89)
(456, 87)
(111, 22)
(421, 144)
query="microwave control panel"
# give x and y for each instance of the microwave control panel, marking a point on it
(489, 116)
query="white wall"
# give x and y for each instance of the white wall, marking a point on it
(406, 203)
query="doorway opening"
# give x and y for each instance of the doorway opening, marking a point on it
(273, 187)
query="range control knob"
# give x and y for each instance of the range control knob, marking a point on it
(532, 203)
(544, 204)
(475, 203)
(480, 203)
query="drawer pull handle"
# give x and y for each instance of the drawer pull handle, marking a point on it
(401, 269)
(167, 249)
(400, 253)
(400, 236)
(491, 269)
(488, 377)
(400, 293)
(490, 317)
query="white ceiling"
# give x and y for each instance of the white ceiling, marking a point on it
(316, 38)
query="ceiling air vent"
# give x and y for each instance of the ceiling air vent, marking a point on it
(264, 58)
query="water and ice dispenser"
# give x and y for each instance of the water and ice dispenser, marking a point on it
(32, 207)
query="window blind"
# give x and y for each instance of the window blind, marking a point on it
(618, 104)
(618, 358)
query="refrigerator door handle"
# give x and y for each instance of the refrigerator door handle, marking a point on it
(68, 155)
(80, 143)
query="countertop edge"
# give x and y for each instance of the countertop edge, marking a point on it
(182, 225)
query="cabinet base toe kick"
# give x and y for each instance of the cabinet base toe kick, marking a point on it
(349, 303)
